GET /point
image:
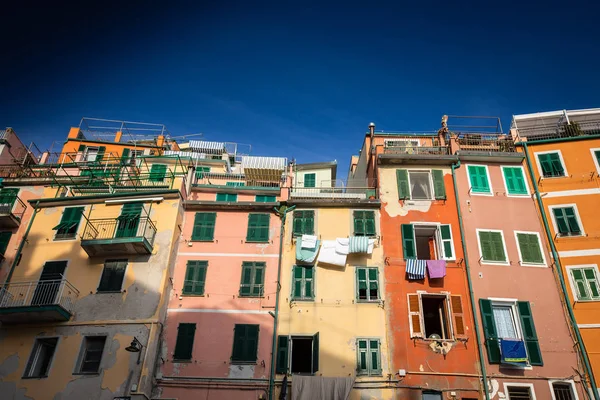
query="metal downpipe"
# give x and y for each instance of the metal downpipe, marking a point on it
(22, 244)
(468, 271)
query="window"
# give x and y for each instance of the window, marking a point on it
(112, 276)
(195, 277)
(430, 395)
(367, 284)
(303, 282)
(235, 184)
(310, 180)
(201, 172)
(228, 197)
(364, 223)
(38, 365)
(509, 320)
(551, 164)
(420, 185)
(92, 153)
(265, 199)
(530, 248)
(204, 226)
(562, 390)
(185, 342)
(436, 316)
(158, 172)
(298, 354)
(492, 247)
(252, 279)
(4, 240)
(258, 228)
(566, 221)
(129, 220)
(91, 354)
(584, 281)
(427, 242)
(596, 157)
(69, 223)
(245, 343)
(514, 181)
(519, 392)
(304, 222)
(479, 179)
(368, 357)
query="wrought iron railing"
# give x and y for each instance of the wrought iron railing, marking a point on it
(356, 193)
(417, 150)
(575, 129)
(115, 228)
(12, 204)
(234, 180)
(39, 293)
(486, 143)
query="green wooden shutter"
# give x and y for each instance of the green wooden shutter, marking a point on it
(195, 277)
(489, 330)
(359, 226)
(245, 343)
(557, 167)
(592, 281)
(446, 234)
(265, 199)
(478, 178)
(580, 284)
(298, 223)
(403, 187)
(258, 228)
(245, 287)
(439, 188)
(251, 343)
(81, 147)
(190, 275)
(561, 220)
(315, 360)
(369, 223)
(409, 248)
(4, 239)
(572, 220)
(101, 151)
(515, 181)
(298, 281)
(264, 227)
(546, 164)
(185, 342)
(529, 334)
(125, 155)
(375, 366)
(373, 289)
(361, 283)
(362, 356)
(239, 339)
(530, 248)
(158, 172)
(258, 275)
(282, 354)
(204, 226)
(309, 286)
(310, 180)
(309, 222)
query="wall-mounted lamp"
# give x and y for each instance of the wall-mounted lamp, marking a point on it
(135, 347)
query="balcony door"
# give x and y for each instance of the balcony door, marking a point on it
(49, 283)
(129, 220)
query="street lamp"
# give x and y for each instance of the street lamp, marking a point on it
(135, 347)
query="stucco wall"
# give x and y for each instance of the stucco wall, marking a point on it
(322, 177)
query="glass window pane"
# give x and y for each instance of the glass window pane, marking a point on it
(505, 326)
(420, 187)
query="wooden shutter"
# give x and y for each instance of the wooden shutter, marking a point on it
(112, 276)
(592, 281)
(374, 361)
(439, 188)
(239, 340)
(529, 334)
(282, 354)
(557, 167)
(204, 226)
(190, 276)
(403, 187)
(580, 284)
(369, 223)
(297, 285)
(245, 287)
(298, 223)
(561, 220)
(258, 228)
(409, 248)
(258, 278)
(361, 283)
(100, 154)
(546, 164)
(309, 287)
(125, 155)
(264, 227)
(158, 172)
(251, 343)
(309, 222)
(458, 314)
(185, 341)
(446, 235)
(4, 240)
(359, 223)
(530, 248)
(373, 283)
(195, 277)
(478, 178)
(315, 353)
(310, 180)
(81, 148)
(489, 330)
(252, 233)
(572, 220)
(362, 350)
(414, 316)
(515, 181)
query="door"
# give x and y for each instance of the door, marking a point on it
(49, 283)
(129, 220)
(7, 200)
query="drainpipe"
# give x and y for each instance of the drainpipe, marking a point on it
(22, 244)
(584, 355)
(470, 283)
(281, 212)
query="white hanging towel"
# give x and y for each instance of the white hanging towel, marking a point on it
(328, 255)
(309, 241)
(371, 246)
(342, 245)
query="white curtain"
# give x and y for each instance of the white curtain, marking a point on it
(505, 326)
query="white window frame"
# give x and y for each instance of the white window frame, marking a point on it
(26, 373)
(386, 141)
(86, 153)
(539, 165)
(502, 168)
(555, 225)
(592, 151)
(369, 372)
(429, 180)
(568, 381)
(512, 303)
(529, 385)
(351, 220)
(450, 315)
(521, 262)
(487, 173)
(484, 262)
(574, 286)
(438, 239)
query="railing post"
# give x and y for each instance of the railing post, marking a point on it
(26, 301)
(60, 292)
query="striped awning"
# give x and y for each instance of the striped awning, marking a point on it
(207, 147)
(264, 168)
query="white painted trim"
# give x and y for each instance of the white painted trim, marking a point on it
(595, 159)
(529, 385)
(192, 254)
(503, 299)
(483, 262)
(429, 181)
(539, 166)
(439, 236)
(215, 311)
(572, 282)
(569, 381)
(502, 168)
(579, 253)
(487, 172)
(523, 264)
(550, 210)
(588, 326)
(569, 193)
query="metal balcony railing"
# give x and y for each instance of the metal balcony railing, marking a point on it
(39, 293)
(560, 131)
(355, 193)
(417, 150)
(120, 228)
(226, 179)
(486, 143)
(12, 204)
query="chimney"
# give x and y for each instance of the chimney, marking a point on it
(372, 129)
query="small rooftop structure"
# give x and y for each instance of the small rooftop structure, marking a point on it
(555, 124)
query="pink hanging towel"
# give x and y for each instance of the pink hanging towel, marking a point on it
(436, 268)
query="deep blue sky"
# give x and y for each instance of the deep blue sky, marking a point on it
(293, 78)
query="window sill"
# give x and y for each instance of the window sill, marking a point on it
(474, 193)
(192, 295)
(245, 296)
(202, 240)
(367, 375)
(554, 177)
(243, 362)
(64, 239)
(175, 360)
(86, 373)
(587, 300)
(369, 301)
(528, 264)
(499, 263)
(258, 241)
(521, 195)
(34, 377)
(304, 299)
(109, 291)
(570, 236)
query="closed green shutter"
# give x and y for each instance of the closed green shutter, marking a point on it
(185, 342)
(515, 181)
(566, 221)
(101, 151)
(572, 220)
(282, 354)
(580, 284)
(201, 171)
(315, 359)
(227, 197)
(403, 187)
(489, 330)
(364, 223)
(258, 228)
(158, 172)
(370, 223)
(359, 227)
(245, 343)
(492, 246)
(446, 234)
(252, 283)
(125, 155)
(438, 184)
(195, 277)
(590, 277)
(265, 199)
(81, 147)
(69, 223)
(204, 226)
(112, 276)
(362, 351)
(4, 239)
(529, 245)
(529, 334)
(310, 180)
(551, 165)
(409, 248)
(478, 178)
(304, 222)
(303, 286)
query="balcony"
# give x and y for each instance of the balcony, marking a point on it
(485, 143)
(12, 209)
(119, 181)
(239, 181)
(122, 235)
(333, 193)
(416, 150)
(37, 301)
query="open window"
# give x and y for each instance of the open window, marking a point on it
(428, 242)
(421, 184)
(436, 316)
(298, 354)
